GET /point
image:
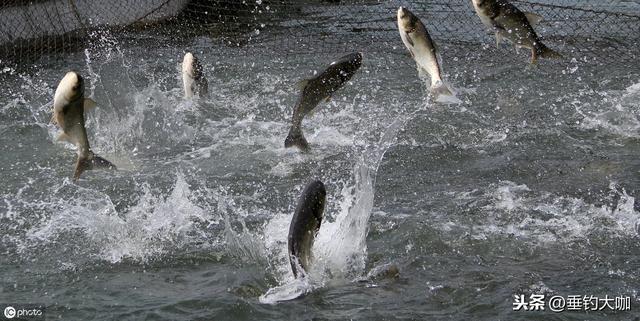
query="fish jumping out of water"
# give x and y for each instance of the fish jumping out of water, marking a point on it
(317, 89)
(69, 106)
(193, 77)
(510, 23)
(422, 48)
(304, 227)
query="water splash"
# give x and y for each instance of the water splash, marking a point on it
(510, 209)
(151, 123)
(340, 249)
(152, 226)
(619, 119)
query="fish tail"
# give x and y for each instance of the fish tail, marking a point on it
(90, 162)
(296, 138)
(542, 51)
(98, 162)
(444, 94)
(439, 88)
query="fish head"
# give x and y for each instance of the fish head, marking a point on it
(354, 61)
(189, 64)
(407, 21)
(486, 7)
(348, 65)
(479, 3)
(70, 88)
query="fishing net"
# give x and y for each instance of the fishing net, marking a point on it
(587, 30)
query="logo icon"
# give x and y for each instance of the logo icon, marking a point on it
(9, 312)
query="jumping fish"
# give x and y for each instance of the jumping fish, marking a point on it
(69, 106)
(193, 78)
(510, 23)
(317, 89)
(416, 38)
(305, 225)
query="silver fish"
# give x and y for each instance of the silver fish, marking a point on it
(69, 106)
(193, 78)
(510, 23)
(317, 89)
(422, 48)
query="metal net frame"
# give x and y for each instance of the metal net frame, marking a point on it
(588, 31)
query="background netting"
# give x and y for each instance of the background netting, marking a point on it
(587, 30)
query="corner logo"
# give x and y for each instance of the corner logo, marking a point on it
(9, 312)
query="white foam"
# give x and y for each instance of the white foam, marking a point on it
(616, 115)
(146, 229)
(448, 99)
(633, 89)
(330, 136)
(286, 292)
(546, 218)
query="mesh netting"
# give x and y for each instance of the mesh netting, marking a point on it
(585, 30)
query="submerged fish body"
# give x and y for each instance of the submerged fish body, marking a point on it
(193, 79)
(304, 227)
(416, 38)
(510, 23)
(69, 106)
(317, 89)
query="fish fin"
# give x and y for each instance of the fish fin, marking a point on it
(296, 138)
(327, 99)
(302, 83)
(99, 162)
(93, 161)
(546, 52)
(63, 137)
(497, 24)
(439, 88)
(534, 56)
(53, 120)
(89, 104)
(534, 19)
(408, 36)
(82, 164)
(498, 39)
(421, 72)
